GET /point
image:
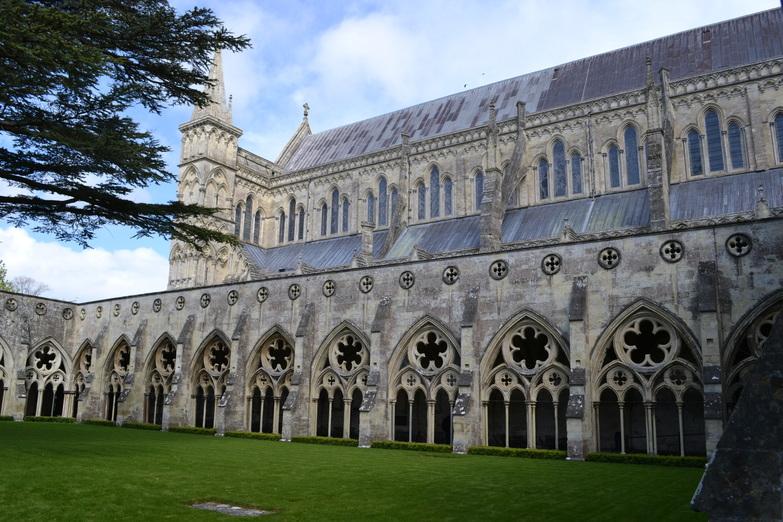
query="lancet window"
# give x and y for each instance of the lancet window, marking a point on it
(269, 382)
(117, 371)
(340, 385)
(83, 375)
(210, 381)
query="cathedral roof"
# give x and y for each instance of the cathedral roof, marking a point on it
(699, 51)
(706, 199)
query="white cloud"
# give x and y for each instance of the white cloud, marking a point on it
(82, 275)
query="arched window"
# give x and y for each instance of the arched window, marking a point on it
(448, 189)
(479, 189)
(714, 144)
(631, 156)
(370, 207)
(291, 218)
(248, 217)
(382, 207)
(268, 384)
(561, 181)
(576, 173)
(422, 192)
(694, 153)
(210, 381)
(238, 221)
(324, 218)
(281, 232)
(257, 227)
(736, 146)
(434, 192)
(393, 201)
(614, 166)
(543, 178)
(335, 210)
(301, 223)
(346, 214)
(779, 135)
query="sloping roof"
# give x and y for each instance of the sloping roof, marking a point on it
(694, 200)
(732, 43)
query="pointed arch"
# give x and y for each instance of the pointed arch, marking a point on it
(383, 206)
(268, 371)
(215, 334)
(274, 330)
(397, 354)
(322, 352)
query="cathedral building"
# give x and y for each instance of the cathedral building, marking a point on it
(587, 258)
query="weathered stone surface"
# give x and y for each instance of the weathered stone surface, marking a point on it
(744, 478)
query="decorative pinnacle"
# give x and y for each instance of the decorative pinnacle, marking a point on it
(217, 107)
(306, 110)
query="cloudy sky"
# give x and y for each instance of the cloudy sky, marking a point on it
(351, 60)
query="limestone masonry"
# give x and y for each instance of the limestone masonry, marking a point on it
(586, 257)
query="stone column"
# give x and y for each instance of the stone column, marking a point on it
(170, 398)
(578, 418)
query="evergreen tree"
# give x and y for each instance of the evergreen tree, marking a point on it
(69, 72)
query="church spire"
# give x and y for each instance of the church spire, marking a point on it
(217, 108)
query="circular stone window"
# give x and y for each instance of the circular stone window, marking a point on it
(135, 307)
(262, 294)
(366, 283)
(738, 245)
(294, 291)
(672, 251)
(450, 275)
(205, 300)
(232, 297)
(67, 314)
(180, 303)
(10, 304)
(609, 258)
(329, 288)
(156, 305)
(551, 264)
(498, 269)
(407, 280)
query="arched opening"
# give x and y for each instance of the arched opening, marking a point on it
(292, 219)
(255, 410)
(559, 161)
(248, 218)
(47, 403)
(714, 141)
(268, 411)
(280, 403)
(422, 200)
(200, 402)
(496, 419)
(478, 189)
(393, 200)
(693, 423)
(346, 214)
(159, 398)
(545, 421)
(613, 158)
(402, 417)
(335, 211)
(667, 431)
(322, 426)
(634, 417)
(736, 145)
(301, 223)
(631, 156)
(543, 178)
(150, 405)
(324, 219)
(609, 437)
(281, 229)
(517, 420)
(382, 206)
(370, 208)
(443, 420)
(779, 135)
(238, 220)
(356, 403)
(338, 414)
(31, 407)
(448, 198)
(209, 408)
(257, 228)
(434, 192)
(576, 173)
(694, 153)
(419, 417)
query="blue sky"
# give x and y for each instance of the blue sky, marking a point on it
(352, 60)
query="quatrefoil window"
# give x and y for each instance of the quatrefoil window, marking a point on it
(450, 275)
(498, 269)
(527, 348)
(180, 303)
(551, 264)
(205, 300)
(294, 291)
(430, 352)
(407, 280)
(156, 304)
(232, 297)
(135, 307)
(672, 251)
(609, 258)
(262, 294)
(329, 288)
(738, 245)
(366, 283)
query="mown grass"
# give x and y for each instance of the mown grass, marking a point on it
(81, 472)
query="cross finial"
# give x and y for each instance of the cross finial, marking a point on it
(306, 108)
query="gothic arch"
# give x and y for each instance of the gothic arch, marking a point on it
(339, 373)
(159, 370)
(423, 374)
(268, 372)
(6, 371)
(745, 344)
(646, 384)
(524, 376)
(47, 370)
(209, 373)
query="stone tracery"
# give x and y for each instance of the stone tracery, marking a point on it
(525, 383)
(269, 382)
(648, 393)
(339, 383)
(45, 378)
(159, 379)
(424, 385)
(116, 374)
(210, 380)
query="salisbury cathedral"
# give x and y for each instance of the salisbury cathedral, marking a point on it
(587, 257)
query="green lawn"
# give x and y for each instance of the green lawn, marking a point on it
(80, 472)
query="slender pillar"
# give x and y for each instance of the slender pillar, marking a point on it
(391, 424)
(682, 436)
(329, 422)
(596, 417)
(410, 421)
(485, 422)
(347, 418)
(430, 421)
(557, 441)
(621, 406)
(505, 403)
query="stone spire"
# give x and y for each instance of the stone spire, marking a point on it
(217, 108)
